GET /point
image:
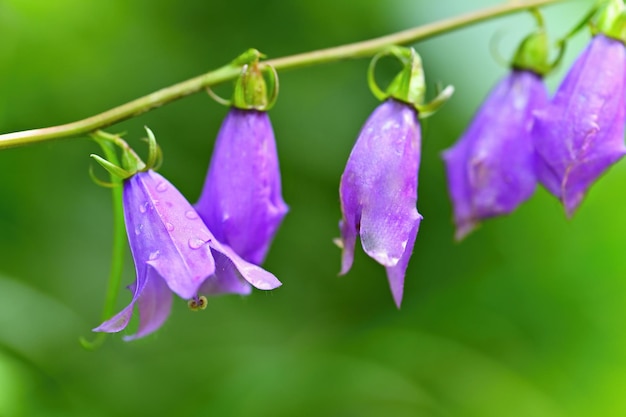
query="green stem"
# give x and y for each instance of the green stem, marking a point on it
(354, 50)
(119, 240)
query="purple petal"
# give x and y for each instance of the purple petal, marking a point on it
(241, 201)
(491, 168)
(581, 133)
(154, 304)
(347, 242)
(231, 266)
(395, 274)
(226, 280)
(154, 301)
(166, 233)
(378, 188)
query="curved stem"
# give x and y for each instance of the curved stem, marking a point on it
(119, 242)
(354, 50)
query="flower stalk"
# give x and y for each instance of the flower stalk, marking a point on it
(367, 48)
(119, 241)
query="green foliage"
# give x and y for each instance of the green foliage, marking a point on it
(525, 318)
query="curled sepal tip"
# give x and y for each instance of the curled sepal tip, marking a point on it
(427, 110)
(113, 169)
(408, 85)
(130, 163)
(155, 155)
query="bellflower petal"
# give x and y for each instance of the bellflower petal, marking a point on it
(491, 168)
(174, 251)
(580, 134)
(378, 191)
(241, 201)
(167, 233)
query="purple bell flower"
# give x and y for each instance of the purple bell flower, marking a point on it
(378, 192)
(580, 134)
(491, 168)
(175, 252)
(241, 201)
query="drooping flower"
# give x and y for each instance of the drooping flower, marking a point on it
(241, 201)
(491, 168)
(378, 191)
(580, 134)
(174, 251)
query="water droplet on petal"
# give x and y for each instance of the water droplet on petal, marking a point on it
(195, 243)
(143, 207)
(153, 255)
(169, 226)
(161, 187)
(191, 214)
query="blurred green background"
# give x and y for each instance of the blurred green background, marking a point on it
(524, 318)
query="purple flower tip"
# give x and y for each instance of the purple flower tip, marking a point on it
(241, 201)
(491, 168)
(378, 192)
(174, 251)
(580, 134)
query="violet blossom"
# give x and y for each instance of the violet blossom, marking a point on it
(378, 192)
(241, 201)
(580, 134)
(174, 251)
(491, 168)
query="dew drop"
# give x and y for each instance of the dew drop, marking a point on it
(169, 226)
(143, 207)
(195, 243)
(161, 187)
(153, 255)
(191, 214)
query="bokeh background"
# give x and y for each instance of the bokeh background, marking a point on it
(524, 318)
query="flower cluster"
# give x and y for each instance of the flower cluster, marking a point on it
(520, 137)
(174, 251)
(212, 248)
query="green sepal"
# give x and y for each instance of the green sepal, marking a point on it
(427, 110)
(256, 88)
(532, 53)
(155, 155)
(130, 163)
(98, 181)
(408, 85)
(612, 20)
(113, 169)
(249, 57)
